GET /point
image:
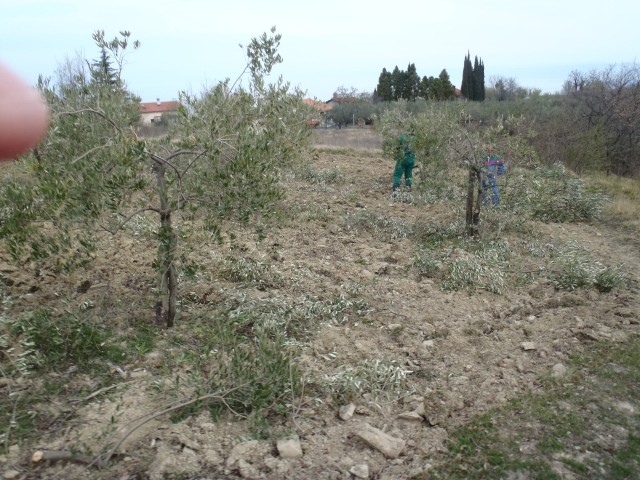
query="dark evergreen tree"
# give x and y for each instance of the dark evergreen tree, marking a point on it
(384, 90)
(472, 86)
(467, 76)
(423, 88)
(412, 82)
(475, 86)
(446, 90)
(407, 85)
(102, 71)
(397, 83)
(480, 81)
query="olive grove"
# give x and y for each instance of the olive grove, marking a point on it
(93, 174)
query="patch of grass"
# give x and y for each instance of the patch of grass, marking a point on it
(624, 193)
(251, 272)
(249, 347)
(626, 190)
(47, 340)
(588, 426)
(45, 349)
(470, 273)
(315, 213)
(142, 338)
(432, 234)
(472, 265)
(493, 264)
(245, 353)
(382, 226)
(572, 268)
(427, 263)
(322, 178)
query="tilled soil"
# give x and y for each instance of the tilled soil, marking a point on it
(461, 354)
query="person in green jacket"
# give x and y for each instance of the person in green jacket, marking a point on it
(405, 161)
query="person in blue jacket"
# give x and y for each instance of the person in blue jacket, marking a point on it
(405, 161)
(493, 166)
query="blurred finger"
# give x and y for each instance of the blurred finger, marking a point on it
(24, 117)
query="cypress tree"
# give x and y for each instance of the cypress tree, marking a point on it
(481, 81)
(467, 78)
(472, 86)
(446, 87)
(423, 88)
(475, 86)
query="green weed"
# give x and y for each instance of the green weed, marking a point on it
(48, 340)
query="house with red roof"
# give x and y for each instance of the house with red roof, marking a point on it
(152, 112)
(319, 108)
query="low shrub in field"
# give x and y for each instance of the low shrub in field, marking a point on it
(250, 272)
(375, 377)
(321, 177)
(471, 265)
(494, 264)
(46, 340)
(573, 268)
(249, 349)
(554, 195)
(383, 227)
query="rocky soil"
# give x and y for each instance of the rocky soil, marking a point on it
(459, 354)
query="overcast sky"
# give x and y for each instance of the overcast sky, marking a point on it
(191, 44)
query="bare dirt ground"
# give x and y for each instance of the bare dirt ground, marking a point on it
(460, 354)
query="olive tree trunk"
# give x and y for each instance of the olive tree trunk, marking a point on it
(167, 244)
(474, 201)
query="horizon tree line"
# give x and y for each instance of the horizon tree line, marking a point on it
(408, 85)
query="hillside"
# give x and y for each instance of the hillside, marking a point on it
(391, 364)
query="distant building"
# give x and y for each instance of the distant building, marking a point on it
(151, 112)
(320, 109)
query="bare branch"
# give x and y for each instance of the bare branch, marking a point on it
(75, 160)
(136, 424)
(101, 461)
(159, 159)
(128, 219)
(41, 455)
(96, 112)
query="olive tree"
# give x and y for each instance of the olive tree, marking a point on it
(94, 174)
(445, 144)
